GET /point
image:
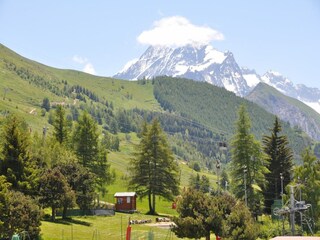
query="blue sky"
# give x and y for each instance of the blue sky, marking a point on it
(102, 36)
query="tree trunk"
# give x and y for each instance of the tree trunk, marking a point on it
(53, 214)
(208, 236)
(149, 198)
(64, 212)
(153, 203)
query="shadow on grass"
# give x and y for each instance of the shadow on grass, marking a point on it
(69, 221)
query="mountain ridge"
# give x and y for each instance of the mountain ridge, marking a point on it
(287, 108)
(222, 70)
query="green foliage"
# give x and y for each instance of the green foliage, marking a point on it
(248, 163)
(153, 170)
(280, 158)
(86, 141)
(307, 177)
(201, 184)
(198, 215)
(110, 142)
(201, 214)
(55, 191)
(81, 182)
(60, 125)
(317, 150)
(196, 167)
(240, 224)
(46, 104)
(270, 228)
(90, 153)
(18, 213)
(15, 162)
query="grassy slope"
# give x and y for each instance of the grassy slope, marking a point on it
(29, 96)
(111, 228)
(25, 100)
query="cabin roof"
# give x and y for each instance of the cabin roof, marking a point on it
(125, 194)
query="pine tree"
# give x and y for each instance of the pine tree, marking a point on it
(280, 157)
(14, 157)
(46, 104)
(90, 152)
(154, 171)
(248, 163)
(60, 125)
(86, 140)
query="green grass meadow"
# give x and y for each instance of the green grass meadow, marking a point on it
(99, 227)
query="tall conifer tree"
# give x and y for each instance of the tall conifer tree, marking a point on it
(280, 157)
(86, 140)
(60, 125)
(248, 163)
(90, 152)
(154, 171)
(14, 159)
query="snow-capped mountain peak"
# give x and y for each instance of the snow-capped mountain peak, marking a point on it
(201, 63)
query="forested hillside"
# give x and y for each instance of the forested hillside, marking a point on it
(197, 116)
(216, 109)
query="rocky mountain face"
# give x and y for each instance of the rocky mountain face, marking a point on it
(288, 109)
(200, 63)
(307, 95)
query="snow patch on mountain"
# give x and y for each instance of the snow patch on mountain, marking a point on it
(213, 56)
(252, 80)
(129, 64)
(314, 105)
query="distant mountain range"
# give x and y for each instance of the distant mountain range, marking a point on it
(204, 63)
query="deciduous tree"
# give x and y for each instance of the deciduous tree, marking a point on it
(55, 191)
(307, 178)
(81, 181)
(18, 212)
(201, 214)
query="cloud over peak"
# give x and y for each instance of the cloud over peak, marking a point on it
(178, 31)
(87, 66)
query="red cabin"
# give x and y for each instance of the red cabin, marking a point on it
(126, 201)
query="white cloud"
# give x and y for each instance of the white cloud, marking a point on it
(178, 31)
(88, 67)
(79, 59)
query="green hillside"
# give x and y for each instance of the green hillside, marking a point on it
(26, 83)
(216, 108)
(197, 116)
